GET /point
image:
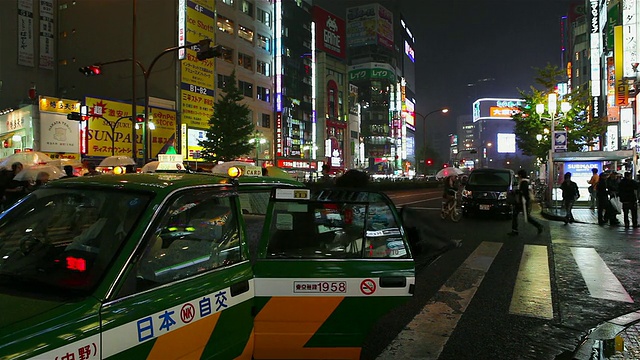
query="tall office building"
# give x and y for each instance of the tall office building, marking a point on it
(245, 30)
(372, 69)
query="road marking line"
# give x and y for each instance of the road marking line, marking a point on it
(426, 335)
(532, 291)
(419, 201)
(601, 282)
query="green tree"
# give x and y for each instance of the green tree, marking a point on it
(230, 126)
(581, 132)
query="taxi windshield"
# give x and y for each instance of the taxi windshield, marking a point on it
(61, 241)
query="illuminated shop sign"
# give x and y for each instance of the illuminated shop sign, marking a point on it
(409, 51)
(330, 31)
(495, 108)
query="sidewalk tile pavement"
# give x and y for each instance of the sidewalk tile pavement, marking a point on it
(626, 326)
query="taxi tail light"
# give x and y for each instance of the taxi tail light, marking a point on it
(76, 264)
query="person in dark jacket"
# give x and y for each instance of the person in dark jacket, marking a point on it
(627, 190)
(523, 193)
(570, 194)
(606, 213)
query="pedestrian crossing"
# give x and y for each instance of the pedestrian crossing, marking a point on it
(532, 295)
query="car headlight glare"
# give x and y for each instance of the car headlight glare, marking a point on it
(502, 195)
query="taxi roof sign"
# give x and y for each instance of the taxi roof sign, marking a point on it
(293, 194)
(244, 170)
(170, 162)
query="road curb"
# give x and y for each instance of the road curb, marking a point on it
(596, 339)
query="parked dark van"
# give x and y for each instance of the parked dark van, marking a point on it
(485, 192)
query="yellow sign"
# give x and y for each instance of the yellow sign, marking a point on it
(57, 105)
(197, 76)
(110, 126)
(71, 156)
(622, 88)
(164, 134)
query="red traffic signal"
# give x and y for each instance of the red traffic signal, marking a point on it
(139, 119)
(429, 162)
(91, 70)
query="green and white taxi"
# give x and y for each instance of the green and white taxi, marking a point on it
(193, 265)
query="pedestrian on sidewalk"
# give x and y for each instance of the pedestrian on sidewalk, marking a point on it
(523, 200)
(613, 184)
(603, 199)
(593, 182)
(627, 191)
(570, 194)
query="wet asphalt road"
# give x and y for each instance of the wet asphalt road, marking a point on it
(501, 297)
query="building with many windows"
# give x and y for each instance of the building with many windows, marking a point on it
(244, 29)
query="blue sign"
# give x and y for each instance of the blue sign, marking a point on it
(582, 168)
(560, 140)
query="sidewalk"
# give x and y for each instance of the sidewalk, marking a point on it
(600, 342)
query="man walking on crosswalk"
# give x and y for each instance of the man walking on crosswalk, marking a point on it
(523, 202)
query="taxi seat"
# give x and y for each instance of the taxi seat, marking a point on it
(300, 240)
(253, 228)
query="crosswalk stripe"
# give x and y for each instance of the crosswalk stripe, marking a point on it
(426, 335)
(601, 282)
(532, 291)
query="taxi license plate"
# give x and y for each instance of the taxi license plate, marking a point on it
(485, 207)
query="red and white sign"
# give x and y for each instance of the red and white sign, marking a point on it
(368, 286)
(331, 31)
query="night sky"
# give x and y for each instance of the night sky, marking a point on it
(459, 42)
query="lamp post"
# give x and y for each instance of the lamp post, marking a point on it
(552, 108)
(205, 51)
(258, 140)
(113, 125)
(443, 110)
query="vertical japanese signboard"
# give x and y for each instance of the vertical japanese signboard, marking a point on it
(46, 34)
(197, 76)
(25, 33)
(197, 82)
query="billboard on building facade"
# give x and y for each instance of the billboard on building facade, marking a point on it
(495, 108)
(331, 32)
(370, 24)
(110, 128)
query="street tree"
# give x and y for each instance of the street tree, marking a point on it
(230, 126)
(582, 131)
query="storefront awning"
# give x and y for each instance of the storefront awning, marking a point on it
(593, 156)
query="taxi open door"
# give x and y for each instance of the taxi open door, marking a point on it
(330, 264)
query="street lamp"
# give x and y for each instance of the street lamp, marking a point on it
(205, 51)
(113, 125)
(552, 108)
(443, 110)
(258, 140)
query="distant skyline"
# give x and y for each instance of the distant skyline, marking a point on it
(468, 49)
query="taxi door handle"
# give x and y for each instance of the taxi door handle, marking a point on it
(239, 288)
(393, 281)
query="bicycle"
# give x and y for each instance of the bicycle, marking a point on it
(451, 208)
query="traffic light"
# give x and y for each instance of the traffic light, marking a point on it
(205, 51)
(139, 118)
(74, 116)
(91, 70)
(429, 162)
(83, 115)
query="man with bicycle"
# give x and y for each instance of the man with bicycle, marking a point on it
(450, 190)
